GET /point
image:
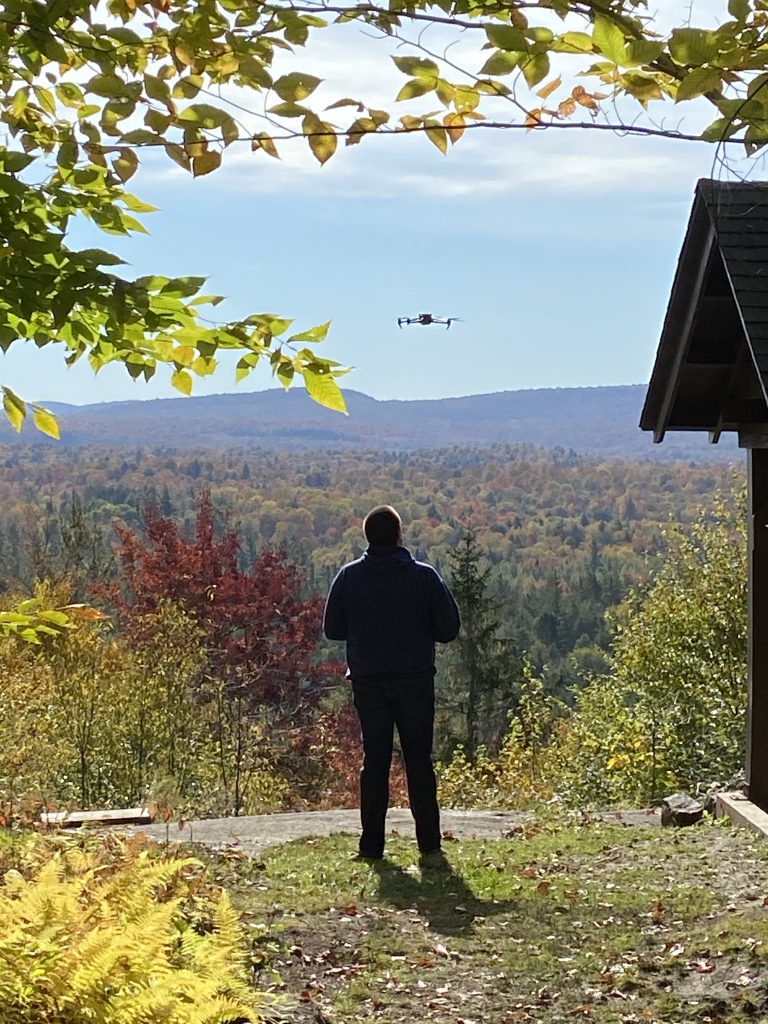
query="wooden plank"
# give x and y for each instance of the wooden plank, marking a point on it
(694, 290)
(757, 712)
(75, 819)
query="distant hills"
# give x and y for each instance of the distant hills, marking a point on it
(599, 421)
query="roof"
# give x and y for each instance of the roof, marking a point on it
(711, 370)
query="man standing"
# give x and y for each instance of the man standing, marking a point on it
(391, 610)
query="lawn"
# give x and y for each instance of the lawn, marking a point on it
(571, 920)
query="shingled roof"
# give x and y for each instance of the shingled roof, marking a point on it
(711, 370)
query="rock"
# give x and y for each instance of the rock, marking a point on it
(680, 809)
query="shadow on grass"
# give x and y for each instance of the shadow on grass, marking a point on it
(439, 894)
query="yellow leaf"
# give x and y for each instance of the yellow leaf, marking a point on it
(182, 381)
(321, 137)
(184, 54)
(324, 390)
(15, 408)
(454, 125)
(45, 422)
(206, 162)
(265, 142)
(550, 87)
(438, 137)
(184, 355)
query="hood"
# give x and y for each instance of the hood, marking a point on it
(386, 558)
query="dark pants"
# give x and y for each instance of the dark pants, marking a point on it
(408, 702)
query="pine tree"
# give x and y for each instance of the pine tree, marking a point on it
(482, 683)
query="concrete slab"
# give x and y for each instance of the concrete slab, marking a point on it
(742, 811)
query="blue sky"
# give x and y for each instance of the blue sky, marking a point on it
(557, 250)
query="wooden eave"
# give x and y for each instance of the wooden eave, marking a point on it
(711, 369)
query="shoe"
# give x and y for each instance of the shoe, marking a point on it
(433, 859)
(367, 858)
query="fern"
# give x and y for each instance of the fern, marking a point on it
(103, 935)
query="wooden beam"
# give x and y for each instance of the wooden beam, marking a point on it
(695, 287)
(75, 819)
(757, 712)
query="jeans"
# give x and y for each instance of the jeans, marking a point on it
(408, 702)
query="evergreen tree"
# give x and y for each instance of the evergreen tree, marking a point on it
(482, 676)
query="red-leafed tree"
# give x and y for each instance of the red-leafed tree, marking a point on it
(258, 627)
(259, 633)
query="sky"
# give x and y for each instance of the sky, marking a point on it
(556, 249)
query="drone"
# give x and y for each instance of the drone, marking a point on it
(425, 319)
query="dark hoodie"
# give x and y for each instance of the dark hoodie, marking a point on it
(391, 610)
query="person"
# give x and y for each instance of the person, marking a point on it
(391, 610)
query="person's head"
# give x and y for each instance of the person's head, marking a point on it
(382, 525)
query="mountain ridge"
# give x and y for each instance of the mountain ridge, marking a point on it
(599, 420)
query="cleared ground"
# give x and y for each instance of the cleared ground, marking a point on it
(561, 920)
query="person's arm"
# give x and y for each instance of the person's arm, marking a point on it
(334, 618)
(444, 612)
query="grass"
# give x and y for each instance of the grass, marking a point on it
(581, 921)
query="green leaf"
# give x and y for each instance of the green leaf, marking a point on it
(13, 161)
(15, 408)
(641, 52)
(739, 9)
(693, 46)
(314, 334)
(156, 89)
(347, 102)
(202, 115)
(698, 82)
(506, 37)
(126, 165)
(69, 94)
(289, 110)
(417, 67)
(45, 98)
(296, 86)
(182, 381)
(45, 422)
(323, 388)
(535, 69)
(109, 86)
(502, 63)
(20, 101)
(438, 136)
(609, 40)
(178, 155)
(187, 88)
(415, 87)
(573, 42)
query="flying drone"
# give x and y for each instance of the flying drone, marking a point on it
(425, 319)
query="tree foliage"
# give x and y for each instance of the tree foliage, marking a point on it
(88, 89)
(482, 669)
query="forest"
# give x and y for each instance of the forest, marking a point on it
(177, 556)
(567, 536)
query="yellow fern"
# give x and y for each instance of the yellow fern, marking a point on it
(101, 935)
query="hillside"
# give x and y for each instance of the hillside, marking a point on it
(600, 421)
